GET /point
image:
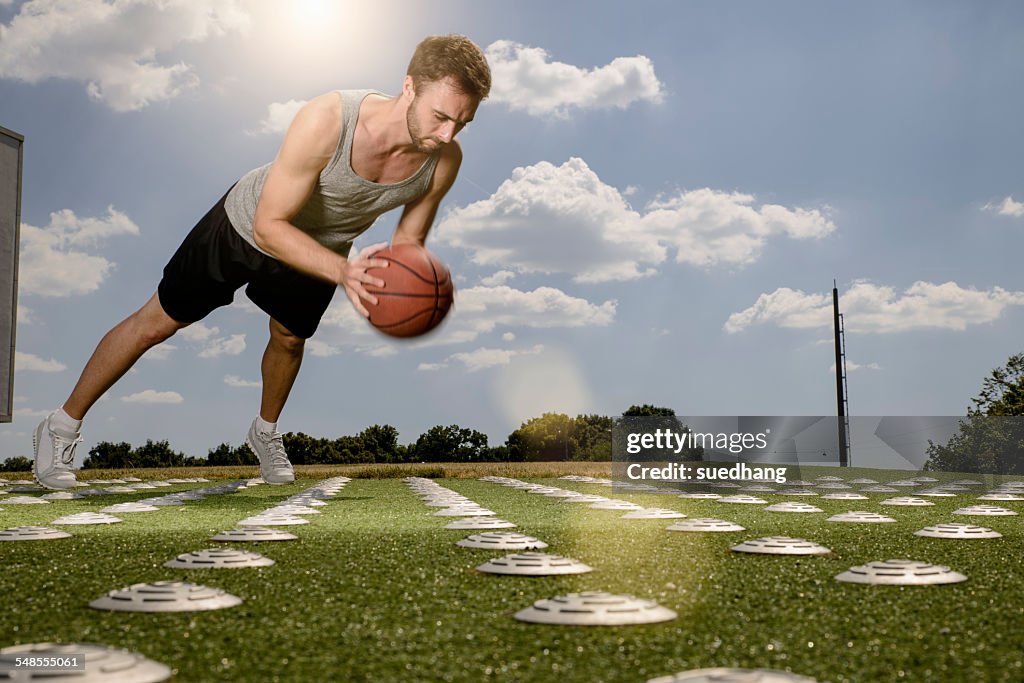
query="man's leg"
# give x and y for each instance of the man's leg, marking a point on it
(281, 361)
(118, 351)
(56, 436)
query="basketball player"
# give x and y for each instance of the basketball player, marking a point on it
(285, 230)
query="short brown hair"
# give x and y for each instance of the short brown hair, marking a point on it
(452, 56)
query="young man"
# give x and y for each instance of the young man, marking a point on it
(285, 230)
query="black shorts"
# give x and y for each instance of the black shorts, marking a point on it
(214, 261)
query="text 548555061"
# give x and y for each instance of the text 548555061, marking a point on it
(51, 663)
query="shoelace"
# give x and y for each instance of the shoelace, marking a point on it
(275, 443)
(66, 450)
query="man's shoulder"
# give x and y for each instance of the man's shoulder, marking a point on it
(328, 104)
(447, 168)
(451, 155)
(319, 120)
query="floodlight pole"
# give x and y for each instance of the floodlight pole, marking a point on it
(844, 455)
(11, 160)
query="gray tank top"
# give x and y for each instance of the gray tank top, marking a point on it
(343, 204)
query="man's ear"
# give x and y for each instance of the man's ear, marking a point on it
(408, 88)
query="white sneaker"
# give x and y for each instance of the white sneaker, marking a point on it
(54, 455)
(275, 467)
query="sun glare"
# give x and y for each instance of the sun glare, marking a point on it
(311, 13)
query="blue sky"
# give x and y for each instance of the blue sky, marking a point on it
(652, 208)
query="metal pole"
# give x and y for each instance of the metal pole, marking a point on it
(844, 456)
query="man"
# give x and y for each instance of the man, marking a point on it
(285, 231)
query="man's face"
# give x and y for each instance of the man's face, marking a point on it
(437, 113)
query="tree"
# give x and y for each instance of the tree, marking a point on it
(450, 443)
(18, 463)
(496, 454)
(108, 455)
(227, 455)
(350, 449)
(985, 444)
(160, 454)
(593, 437)
(648, 418)
(299, 447)
(1002, 392)
(380, 442)
(303, 449)
(991, 437)
(648, 410)
(548, 437)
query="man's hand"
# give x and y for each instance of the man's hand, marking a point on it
(356, 278)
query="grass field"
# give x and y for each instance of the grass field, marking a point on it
(376, 589)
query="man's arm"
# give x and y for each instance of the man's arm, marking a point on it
(308, 147)
(418, 216)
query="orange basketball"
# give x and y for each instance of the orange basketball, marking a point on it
(417, 292)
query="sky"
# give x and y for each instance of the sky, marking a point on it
(653, 205)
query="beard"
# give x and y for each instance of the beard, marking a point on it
(422, 143)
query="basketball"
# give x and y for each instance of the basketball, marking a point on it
(417, 292)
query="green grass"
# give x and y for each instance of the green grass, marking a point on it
(376, 589)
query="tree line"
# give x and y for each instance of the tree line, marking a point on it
(552, 436)
(991, 436)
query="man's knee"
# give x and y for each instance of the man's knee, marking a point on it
(282, 337)
(153, 325)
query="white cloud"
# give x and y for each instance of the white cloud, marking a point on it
(1007, 207)
(356, 333)
(321, 349)
(113, 47)
(55, 260)
(279, 117)
(198, 332)
(508, 336)
(224, 346)
(784, 307)
(482, 358)
(33, 413)
(151, 396)
(477, 311)
(501, 277)
(549, 218)
(238, 382)
(160, 351)
(874, 309)
(28, 362)
(481, 310)
(26, 316)
(526, 80)
(213, 345)
(341, 314)
(564, 219)
(242, 304)
(380, 350)
(853, 367)
(708, 227)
